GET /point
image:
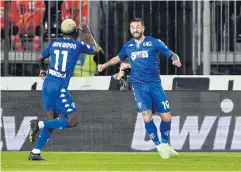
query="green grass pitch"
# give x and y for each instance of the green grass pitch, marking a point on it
(100, 161)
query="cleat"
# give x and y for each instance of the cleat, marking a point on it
(164, 151)
(172, 152)
(33, 130)
(35, 157)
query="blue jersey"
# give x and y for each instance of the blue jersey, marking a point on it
(144, 59)
(64, 53)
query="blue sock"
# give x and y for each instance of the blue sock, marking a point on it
(43, 138)
(152, 131)
(165, 128)
(58, 123)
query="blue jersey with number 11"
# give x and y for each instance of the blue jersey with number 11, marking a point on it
(64, 53)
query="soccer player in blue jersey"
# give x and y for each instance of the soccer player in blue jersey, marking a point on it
(64, 53)
(142, 52)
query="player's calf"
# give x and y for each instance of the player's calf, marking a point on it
(150, 126)
(64, 121)
(52, 115)
(165, 128)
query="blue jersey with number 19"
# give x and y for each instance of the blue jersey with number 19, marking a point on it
(145, 75)
(64, 53)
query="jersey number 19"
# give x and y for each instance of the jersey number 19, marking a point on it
(58, 58)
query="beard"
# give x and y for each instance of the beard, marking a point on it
(137, 35)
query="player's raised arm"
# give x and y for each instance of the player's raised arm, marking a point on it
(117, 59)
(89, 49)
(89, 39)
(163, 49)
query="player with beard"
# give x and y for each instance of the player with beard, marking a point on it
(142, 52)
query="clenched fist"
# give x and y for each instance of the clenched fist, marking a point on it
(177, 63)
(42, 74)
(101, 67)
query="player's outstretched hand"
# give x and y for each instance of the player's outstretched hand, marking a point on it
(42, 74)
(101, 67)
(177, 63)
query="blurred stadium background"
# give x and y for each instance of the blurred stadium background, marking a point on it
(206, 34)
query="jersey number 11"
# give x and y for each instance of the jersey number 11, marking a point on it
(62, 58)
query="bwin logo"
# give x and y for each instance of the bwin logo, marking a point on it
(192, 133)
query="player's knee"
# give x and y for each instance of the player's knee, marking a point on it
(50, 114)
(147, 115)
(166, 116)
(56, 115)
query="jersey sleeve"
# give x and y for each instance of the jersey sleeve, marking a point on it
(122, 54)
(46, 51)
(163, 49)
(86, 48)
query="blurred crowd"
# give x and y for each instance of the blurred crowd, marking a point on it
(32, 18)
(29, 17)
(32, 24)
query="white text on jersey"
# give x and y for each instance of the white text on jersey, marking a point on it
(57, 74)
(139, 54)
(64, 45)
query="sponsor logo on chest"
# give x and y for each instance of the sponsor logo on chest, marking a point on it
(139, 54)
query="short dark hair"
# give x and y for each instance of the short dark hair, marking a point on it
(137, 20)
(74, 34)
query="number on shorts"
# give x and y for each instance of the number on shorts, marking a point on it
(166, 104)
(64, 60)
